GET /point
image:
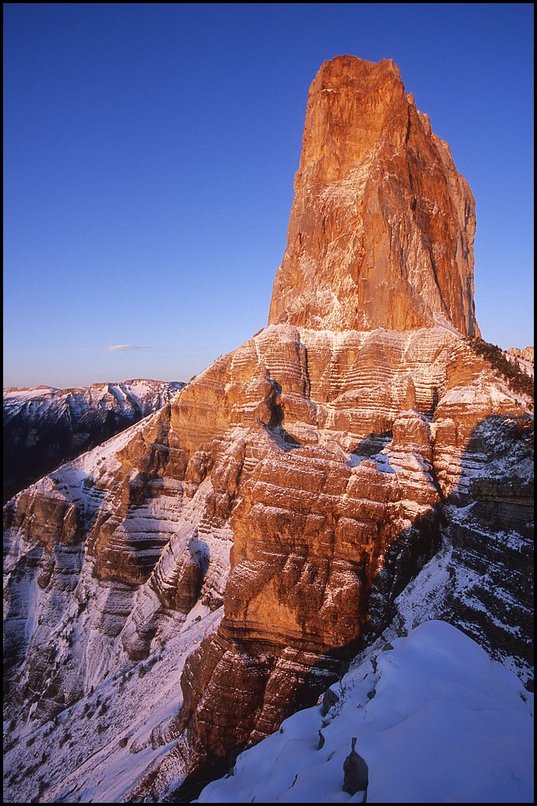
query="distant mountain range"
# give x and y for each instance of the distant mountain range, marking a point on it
(45, 427)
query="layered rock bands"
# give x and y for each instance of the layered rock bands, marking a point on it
(296, 486)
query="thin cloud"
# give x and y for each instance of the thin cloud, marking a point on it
(117, 347)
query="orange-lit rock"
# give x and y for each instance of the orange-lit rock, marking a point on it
(382, 225)
(288, 494)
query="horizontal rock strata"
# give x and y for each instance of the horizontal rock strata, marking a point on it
(261, 526)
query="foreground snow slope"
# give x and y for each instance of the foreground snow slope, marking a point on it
(436, 721)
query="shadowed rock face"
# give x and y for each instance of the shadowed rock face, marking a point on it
(45, 427)
(382, 226)
(299, 483)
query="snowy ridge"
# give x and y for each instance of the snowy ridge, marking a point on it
(148, 395)
(523, 358)
(436, 722)
(99, 748)
(44, 427)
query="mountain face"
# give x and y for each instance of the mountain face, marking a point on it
(232, 552)
(44, 427)
(382, 226)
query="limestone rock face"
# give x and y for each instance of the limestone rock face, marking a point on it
(239, 546)
(382, 226)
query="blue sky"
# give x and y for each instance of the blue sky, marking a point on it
(149, 155)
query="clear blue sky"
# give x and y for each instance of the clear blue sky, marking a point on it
(149, 155)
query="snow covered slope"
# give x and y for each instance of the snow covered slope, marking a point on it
(98, 749)
(44, 426)
(436, 721)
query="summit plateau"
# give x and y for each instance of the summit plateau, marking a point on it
(174, 594)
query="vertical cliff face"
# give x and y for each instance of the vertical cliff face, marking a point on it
(259, 528)
(382, 225)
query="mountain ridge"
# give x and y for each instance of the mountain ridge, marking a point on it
(237, 548)
(44, 426)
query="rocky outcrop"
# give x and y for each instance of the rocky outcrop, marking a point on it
(488, 521)
(382, 225)
(277, 507)
(523, 358)
(44, 427)
(526, 353)
(355, 772)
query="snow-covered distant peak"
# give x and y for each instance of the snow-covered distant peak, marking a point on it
(138, 386)
(45, 427)
(28, 392)
(141, 396)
